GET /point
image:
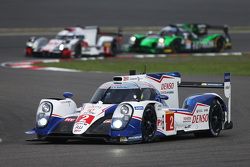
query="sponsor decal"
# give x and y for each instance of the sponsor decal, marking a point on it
(70, 119)
(125, 78)
(139, 108)
(200, 118)
(107, 121)
(187, 127)
(187, 119)
(166, 86)
(167, 92)
(86, 119)
(160, 122)
(135, 138)
(78, 127)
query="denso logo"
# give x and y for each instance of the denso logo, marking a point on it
(200, 118)
(166, 86)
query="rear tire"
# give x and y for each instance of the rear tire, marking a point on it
(219, 44)
(148, 124)
(215, 121)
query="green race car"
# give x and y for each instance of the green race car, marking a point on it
(182, 38)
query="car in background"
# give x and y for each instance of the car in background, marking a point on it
(75, 42)
(134, 109)
(179, 38)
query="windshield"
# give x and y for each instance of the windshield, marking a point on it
(65, 37)
(116, 96)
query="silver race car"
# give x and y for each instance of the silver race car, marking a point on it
(75, 42)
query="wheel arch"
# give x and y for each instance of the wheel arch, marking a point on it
(207, 98)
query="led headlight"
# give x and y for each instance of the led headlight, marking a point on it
(46, 107)
(43, 114)
(124, 109)
(132, 40)
(161, 42)
(121, 116)
(30, 44)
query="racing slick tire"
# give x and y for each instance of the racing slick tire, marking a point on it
(148, 125)
(78, 50)
(219, 44)
(175, 46)
(215, 121)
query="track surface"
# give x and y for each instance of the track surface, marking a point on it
(54, 13)
(21, 90)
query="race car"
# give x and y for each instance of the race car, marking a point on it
(135, 109)
(181, 38)
(75, 42)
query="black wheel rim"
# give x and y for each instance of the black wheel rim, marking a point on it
(216, 118)
(149, 125)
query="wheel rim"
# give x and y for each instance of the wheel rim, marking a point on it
(216, 118)
(149, 125)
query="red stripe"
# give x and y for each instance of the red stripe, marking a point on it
(56, 115)
(136, 117)
(162, 77)
(185, 113)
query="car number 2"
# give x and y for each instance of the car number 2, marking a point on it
(169, 121)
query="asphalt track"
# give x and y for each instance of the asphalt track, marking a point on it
(21, 90)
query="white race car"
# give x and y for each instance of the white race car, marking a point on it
(136, 108)
(75, 42)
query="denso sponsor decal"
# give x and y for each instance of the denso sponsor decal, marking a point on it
(139, 108)
(200, 118)
(166, 86)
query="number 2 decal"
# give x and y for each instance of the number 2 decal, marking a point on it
(169, 121)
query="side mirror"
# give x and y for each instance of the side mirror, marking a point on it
(162, 97)
(67, 94)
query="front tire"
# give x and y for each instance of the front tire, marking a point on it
(148, 125)
(78, 51)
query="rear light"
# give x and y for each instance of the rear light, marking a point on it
(107, 48)
(66, 53)
(29, 51)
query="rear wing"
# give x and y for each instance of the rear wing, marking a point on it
(226, 85)
(118, 32)
(224, 28)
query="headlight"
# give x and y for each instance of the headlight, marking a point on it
(132, 40)
(61, 47)
(161, 42)
(124, 109)
(29, 44)
(121, 116)
(43, 114)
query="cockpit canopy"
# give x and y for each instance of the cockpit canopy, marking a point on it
(117, 92)
(168, 31)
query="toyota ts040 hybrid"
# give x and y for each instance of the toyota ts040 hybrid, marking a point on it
(182, 38)
(76, 42)
(136, 108)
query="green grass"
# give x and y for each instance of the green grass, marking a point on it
(186, 64)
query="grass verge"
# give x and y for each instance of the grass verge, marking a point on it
(186, 64)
